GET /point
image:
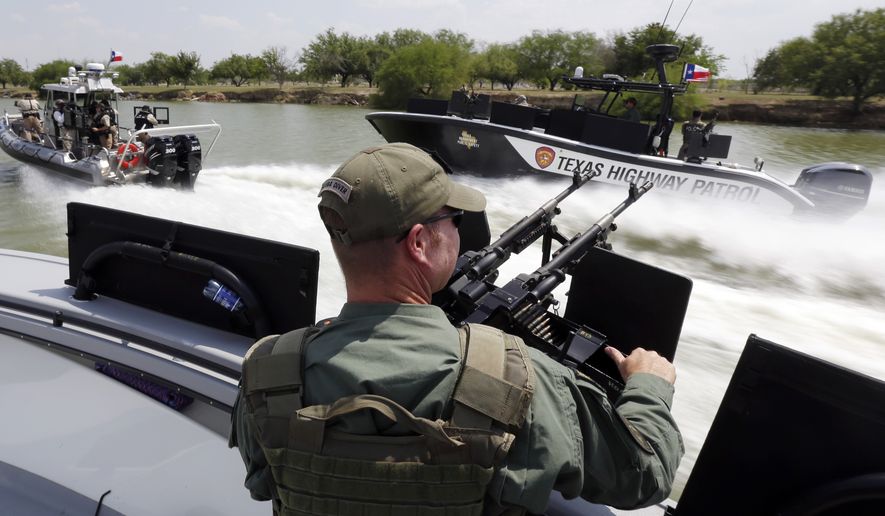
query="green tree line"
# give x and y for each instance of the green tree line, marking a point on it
(844, 57)
(402, 63)
(183, 68)
(408, 63)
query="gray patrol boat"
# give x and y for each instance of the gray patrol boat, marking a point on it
(161, 156)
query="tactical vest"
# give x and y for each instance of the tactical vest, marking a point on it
(97, 123)
(28, 107)
(71, 117)
(141, 121)
(692, 127)
(442, 469)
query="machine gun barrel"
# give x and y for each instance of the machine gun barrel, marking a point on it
(708, 128)
(548, 276)
(518, 236)
(476, 271)
(520, 306)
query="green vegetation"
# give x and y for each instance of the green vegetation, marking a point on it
(498, 64)
(332, 55)
(631, 60)
(12, 73)
(843, 57)
(239, 69)
(431, 68)
(401, 64)
(277, 65)
(49, 72)
(543, 58)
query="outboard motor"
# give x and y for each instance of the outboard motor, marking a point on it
(162, 161)
(190, 160)
(836, 188)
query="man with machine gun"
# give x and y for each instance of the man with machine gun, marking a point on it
(498, 425)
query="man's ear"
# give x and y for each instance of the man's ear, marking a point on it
(418, 243)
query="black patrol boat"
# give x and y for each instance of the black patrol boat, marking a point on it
(473, 134)
(160, 156)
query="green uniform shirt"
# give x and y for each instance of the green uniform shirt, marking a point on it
(573, 441)
(632, 114)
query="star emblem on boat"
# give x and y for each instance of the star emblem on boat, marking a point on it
(544, 156)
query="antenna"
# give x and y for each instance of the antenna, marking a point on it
(661, 32)
(683, 17)
(664, 23)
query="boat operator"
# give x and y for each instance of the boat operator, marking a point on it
(632, 114)
(393, 214)
(102, 126)
(32, 125)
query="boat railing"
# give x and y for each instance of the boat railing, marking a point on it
(8, 117)
(616, 85)
(213, 127)
(207, 373)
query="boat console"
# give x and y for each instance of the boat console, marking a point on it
(707, 145)
(794, 436)
(513, 115)
(164, 266)
(470, 106)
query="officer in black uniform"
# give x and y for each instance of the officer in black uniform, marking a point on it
(689, 127)
(145, 119)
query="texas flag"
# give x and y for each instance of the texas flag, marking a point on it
(696, 73)
(115, 57)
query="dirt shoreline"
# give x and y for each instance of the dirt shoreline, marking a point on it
(805, 113)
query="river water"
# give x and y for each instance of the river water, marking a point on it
(814, 286)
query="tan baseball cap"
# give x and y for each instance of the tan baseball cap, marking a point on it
(384, 191)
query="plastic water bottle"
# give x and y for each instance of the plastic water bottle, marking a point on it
(223, 296)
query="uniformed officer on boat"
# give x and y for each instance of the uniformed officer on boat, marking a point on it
(145, 119)
(32, 125)
(389, 408)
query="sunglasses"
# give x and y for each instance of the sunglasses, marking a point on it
(456, 217)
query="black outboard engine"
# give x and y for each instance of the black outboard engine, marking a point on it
(836, 188)
(161, 160)
(190, 160)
